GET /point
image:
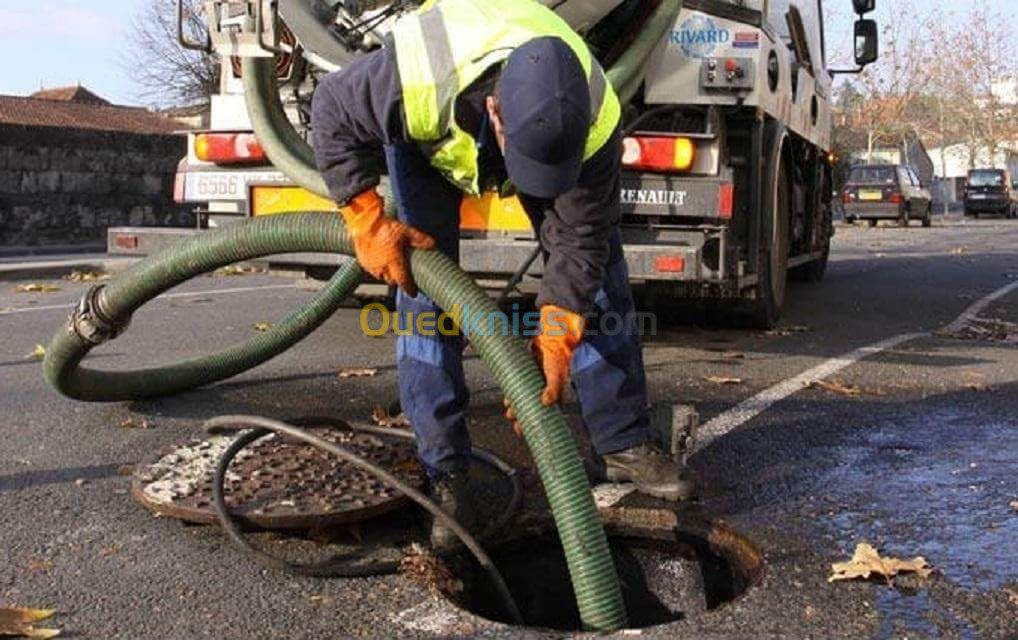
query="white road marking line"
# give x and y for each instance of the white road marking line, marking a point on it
(754, 406)
(977, 307)
(165, 296)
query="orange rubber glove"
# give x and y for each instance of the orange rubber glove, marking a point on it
(381, 243)
(561, 333)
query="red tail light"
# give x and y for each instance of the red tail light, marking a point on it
(669, 264)
(726, 194)
(894, 198)
(228, 148)
(658, 153)
(847, 198)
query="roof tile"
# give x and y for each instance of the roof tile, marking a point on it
(103, 117)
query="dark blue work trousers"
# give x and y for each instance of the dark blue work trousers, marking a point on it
(607, 368)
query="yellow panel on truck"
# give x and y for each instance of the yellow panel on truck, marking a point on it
(488, 212)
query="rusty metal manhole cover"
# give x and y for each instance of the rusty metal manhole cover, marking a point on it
(278, 482)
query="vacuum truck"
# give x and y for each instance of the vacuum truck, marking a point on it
(727, 177)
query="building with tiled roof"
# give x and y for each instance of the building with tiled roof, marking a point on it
(72, 165)
(75, 93)
(79, 108)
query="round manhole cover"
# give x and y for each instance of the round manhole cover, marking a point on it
(278, 482)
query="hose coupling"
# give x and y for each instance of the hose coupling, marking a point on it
(90, 323)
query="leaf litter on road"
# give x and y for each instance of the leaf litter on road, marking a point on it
(36, 287)
(835, 386)
(358, 372)
(262, 326)
(134, 423)
(866, 562)
(19, 622)
(788, 330)
(237, 270)
(380, 416)
(86, 276)
(723, 379)
(421, 566)
(37, 354)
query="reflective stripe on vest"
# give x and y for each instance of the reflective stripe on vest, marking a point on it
(446, 45)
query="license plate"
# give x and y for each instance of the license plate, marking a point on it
(979, 196)
(871, 195)
(225, 185)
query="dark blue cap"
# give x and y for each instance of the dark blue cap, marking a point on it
(545, 105)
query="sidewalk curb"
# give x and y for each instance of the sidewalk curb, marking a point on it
(47, 268)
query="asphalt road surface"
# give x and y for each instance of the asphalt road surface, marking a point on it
(912, 447)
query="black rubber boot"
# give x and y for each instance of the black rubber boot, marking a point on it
(451, 491)
(653, 473)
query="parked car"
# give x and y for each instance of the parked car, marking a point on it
(876, 192)
(990, 191)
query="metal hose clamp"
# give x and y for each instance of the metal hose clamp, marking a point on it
(89, 322)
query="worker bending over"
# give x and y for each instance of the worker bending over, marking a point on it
(465, 95)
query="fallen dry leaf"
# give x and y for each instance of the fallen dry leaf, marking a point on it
(354, 372)
(428, 571)
(1014, 505)
(787, 331)
(131, 423)
(866, 562)
(262, 326)
(35, 287)
(1012, 595)
(957, 251)
(237, 270)
(723, 380)
(37, 354)
(381, 417)
(835, 386)
(19, 622)
(85, 276)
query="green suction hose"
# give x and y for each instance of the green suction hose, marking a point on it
(104, 313)
(105, 310)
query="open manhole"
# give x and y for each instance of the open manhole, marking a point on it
(667, 574)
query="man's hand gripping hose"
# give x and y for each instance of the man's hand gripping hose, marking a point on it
(380, 243)
(561, 332)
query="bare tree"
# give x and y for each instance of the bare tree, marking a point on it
(165, 73)
(975, 68)
(890, 87)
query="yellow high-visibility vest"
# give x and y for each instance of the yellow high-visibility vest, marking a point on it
(446, 45)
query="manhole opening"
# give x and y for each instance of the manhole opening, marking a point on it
(661, 581)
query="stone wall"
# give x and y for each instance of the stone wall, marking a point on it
(66, 186)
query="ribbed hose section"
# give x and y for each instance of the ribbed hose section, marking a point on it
(287, 150)
(547, 434)
(320, 232)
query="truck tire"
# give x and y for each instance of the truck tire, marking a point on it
(903, 217)
(775, 207)
(928, 218)
(873, 223)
